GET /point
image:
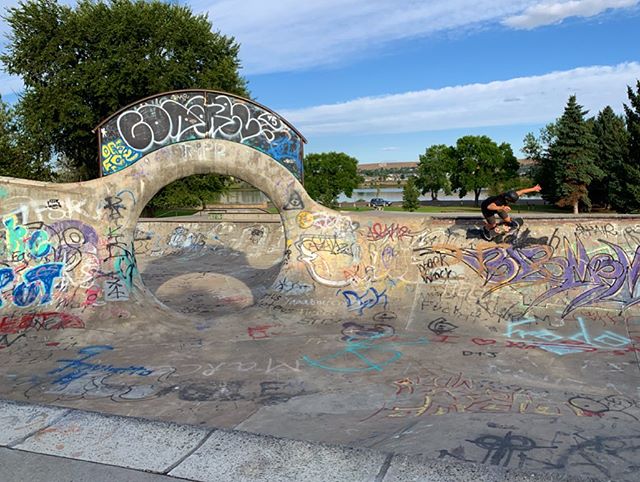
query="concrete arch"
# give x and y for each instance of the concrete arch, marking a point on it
(69, 248)
(204, 156)
(174, 117)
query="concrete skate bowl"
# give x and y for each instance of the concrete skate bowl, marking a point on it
(402, 333)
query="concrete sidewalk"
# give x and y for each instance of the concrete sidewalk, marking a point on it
(43, 443)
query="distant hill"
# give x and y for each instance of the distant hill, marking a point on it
(397, 172)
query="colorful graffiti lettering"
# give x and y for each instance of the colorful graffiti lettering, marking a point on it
(154, 123)
(116, 155)
(38, 283)
(20, 242)
(579, 342)
(388, 231)
(600, 277)
(48, 321)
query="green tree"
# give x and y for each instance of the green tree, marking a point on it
(543, 171)
(510, 163)
(612, 142)
(329, 174)
(572, 158)
(20, 156)
(80, 64)
(507, 176)
(192, 191)
(434, 168)
(410, 195)
(479, 163)
(627, 191)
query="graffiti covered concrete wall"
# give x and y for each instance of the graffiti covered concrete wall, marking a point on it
(68, 249)
(562, 285)
(166, 119)
(188, 238)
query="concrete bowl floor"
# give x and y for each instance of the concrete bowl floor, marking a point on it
(406, 383)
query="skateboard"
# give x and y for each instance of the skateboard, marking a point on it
(502, 232)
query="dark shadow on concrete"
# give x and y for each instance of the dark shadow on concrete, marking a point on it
(522, 239)
(208, 282)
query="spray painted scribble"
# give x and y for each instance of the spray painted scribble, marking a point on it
(77, 368)
(189, 115)
(580, 342)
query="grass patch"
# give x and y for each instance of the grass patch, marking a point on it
(466, 209)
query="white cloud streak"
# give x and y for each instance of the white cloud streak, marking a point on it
(548, 13)
(282, 35)
(524, 100)
(288, 35)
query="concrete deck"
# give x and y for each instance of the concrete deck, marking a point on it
(74, 445)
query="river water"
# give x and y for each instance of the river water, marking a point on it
(394, 194)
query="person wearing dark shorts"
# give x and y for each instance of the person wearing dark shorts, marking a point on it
(498, 206)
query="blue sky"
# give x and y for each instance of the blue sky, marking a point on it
(383, 79)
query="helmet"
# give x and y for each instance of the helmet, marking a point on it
(511, 196)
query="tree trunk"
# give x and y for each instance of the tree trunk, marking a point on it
(434, 195)
(477, 194)
(575, 207)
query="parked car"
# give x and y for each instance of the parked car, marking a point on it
(378, 202)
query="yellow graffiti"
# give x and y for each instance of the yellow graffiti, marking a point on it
(305, 219)
(116, 155)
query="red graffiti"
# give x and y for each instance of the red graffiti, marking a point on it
(93, 294)
(444, 338)
(483, 341)
(260, 332)
(519, 344)
(379, 231)
(39, 321)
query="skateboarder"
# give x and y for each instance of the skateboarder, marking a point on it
(495, 206)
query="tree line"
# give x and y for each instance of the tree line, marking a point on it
(584, 162)
(580, 162)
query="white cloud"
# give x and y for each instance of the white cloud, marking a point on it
(523, 100)
(286, 35)
(547, 13)
(390, 148)
(281, 35)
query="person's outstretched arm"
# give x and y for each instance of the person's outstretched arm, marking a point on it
(535, 188)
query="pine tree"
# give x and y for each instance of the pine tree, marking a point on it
(572, 156)
(612, 150)
(628, 198)
(410, 195)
